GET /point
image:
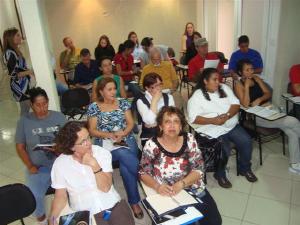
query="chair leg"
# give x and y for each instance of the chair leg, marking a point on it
(22, 221)
(260, 150)
(283, 142)
(237, 162)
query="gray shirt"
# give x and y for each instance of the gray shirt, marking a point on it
(32, 131)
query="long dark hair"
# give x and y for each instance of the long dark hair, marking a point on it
(101, 85)
(240, 65)
(106, 39)
(8, 40)
(133, 33)
(186, 25)
(206, 75)
(126, 45)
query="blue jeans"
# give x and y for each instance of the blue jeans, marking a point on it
(129, 165)
(61, 87)
(39, 184)
(243, 143)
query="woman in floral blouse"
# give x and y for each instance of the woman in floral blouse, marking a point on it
(110, 122)
(172, 162)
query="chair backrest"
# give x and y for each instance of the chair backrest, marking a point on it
(16, 202)
(75, 98)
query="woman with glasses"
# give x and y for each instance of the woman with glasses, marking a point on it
(33, 130)
(150, 104)
(111, 123)
(172, 162)
(83, 173)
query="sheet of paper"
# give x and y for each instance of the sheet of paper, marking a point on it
(162, 204)
(108, 144)
(295, 99)
(211, 63)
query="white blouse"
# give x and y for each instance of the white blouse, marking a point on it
(198, 105)
(148, 116)
(80, 182)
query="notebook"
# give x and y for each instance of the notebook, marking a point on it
(76, 218)
(43, 147)
(108, 144)
(162, 205)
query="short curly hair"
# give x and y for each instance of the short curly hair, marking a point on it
(170, 110)
(67, 136)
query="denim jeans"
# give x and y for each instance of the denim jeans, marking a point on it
(243, 144)
(129, 165)
(38, 184)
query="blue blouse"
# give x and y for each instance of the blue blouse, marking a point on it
(109, 121)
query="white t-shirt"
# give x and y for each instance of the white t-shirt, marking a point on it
(80, 182)
(148, 116)
(198, 105)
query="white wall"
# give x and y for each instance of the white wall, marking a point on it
(86, 20)
(288, 50)
(225, 27)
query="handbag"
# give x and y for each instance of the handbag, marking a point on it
(212, 151)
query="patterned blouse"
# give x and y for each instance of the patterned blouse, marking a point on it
(166, 167)
(109, 121)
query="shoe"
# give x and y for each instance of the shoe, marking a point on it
(249, 176)
(223, 181)
(137, 211)
(295, 168)
(44, 222)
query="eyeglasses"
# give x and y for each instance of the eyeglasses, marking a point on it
(154, 86)
(85, 141)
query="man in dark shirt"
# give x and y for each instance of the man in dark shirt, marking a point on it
(86, 71)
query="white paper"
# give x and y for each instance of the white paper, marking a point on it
(262, 111)
(211, 63)
(295, 99)
(162, 204)
(108, 144)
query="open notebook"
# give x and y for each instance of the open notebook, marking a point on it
(162, 205)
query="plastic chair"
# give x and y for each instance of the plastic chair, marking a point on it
(17, 202)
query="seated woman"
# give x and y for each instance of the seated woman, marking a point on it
(38, 127)
(110, 122)
(83, 172)
(150, 104)
(252, 91)
(106, 68)
(215, 108)
(138, 48)
(191, 51)
(104, 49)
(171, 162)
(125, 65)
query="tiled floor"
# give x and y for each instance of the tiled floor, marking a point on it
(273, 200)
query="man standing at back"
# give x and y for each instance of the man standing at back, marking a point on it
(246, 53)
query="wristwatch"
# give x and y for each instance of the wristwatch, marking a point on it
(98, 171)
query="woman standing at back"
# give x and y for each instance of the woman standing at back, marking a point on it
(187, 37)
(18, 71)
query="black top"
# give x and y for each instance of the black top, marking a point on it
(191, 52)
(255, 92)
(108, 51)
(171, 154)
